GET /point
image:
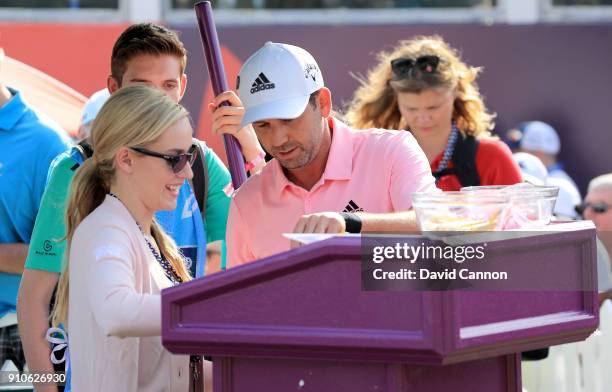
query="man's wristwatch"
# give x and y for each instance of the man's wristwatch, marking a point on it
(352, 222)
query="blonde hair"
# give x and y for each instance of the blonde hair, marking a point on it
(132, 117)
(374, 104)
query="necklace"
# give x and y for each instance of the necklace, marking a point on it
(166, 266)
(169, 270)
(450, 147)
(194, 360)
(448, 152)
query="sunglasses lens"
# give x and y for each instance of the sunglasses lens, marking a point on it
(178, 163)
(599, 208)
(401, 66)
(428, 63)
(182, 160)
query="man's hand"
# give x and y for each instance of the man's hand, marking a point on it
(322, 222)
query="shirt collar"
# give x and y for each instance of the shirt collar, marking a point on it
(339, 164)
(12, 111)
(340, 161)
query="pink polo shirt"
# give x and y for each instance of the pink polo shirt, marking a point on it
(372, 170)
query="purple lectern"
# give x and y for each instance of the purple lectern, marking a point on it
(300, 321)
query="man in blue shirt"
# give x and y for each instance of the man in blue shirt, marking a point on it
(28, 144)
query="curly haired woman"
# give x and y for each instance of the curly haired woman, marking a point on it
(423, 86)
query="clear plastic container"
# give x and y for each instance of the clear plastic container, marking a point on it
(531, 207)
(461, 211)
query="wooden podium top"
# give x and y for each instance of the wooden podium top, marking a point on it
(309, 303)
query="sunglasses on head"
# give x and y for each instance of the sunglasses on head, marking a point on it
(598, 208)
(176, 162)
(427, 64)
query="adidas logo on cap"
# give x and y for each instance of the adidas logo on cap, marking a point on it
(261, 83)
(286, 74)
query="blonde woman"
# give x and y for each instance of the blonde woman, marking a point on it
(423, 86)
(119, 257)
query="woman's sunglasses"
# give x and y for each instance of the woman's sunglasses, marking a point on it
(176, 162)
(427, 64)
(598, 208)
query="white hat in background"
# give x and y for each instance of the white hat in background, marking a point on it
(276, 82)
(93, 105)
(539, 136)
(532, 168)
(567, 199)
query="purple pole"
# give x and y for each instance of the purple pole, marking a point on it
(214, 61)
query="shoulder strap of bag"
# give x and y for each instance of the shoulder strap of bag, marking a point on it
(464, 158)
(85, 149)
(199, 182)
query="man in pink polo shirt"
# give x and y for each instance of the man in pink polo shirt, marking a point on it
(326, 177)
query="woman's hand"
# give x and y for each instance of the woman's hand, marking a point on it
(227, 118)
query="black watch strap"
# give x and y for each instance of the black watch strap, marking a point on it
(352, 222)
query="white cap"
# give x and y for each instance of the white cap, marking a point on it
(567, 199)
(539, 136)
(532, 168)
(276, 82)
(93, 105)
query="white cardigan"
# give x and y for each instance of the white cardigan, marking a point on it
(114, 315)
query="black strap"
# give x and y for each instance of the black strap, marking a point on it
(464, 162)
(86, 152)
(352, 222)
(199, 182)
(85, 149)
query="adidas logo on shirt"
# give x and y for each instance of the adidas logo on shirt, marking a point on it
(261, 83)
(352, 207)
